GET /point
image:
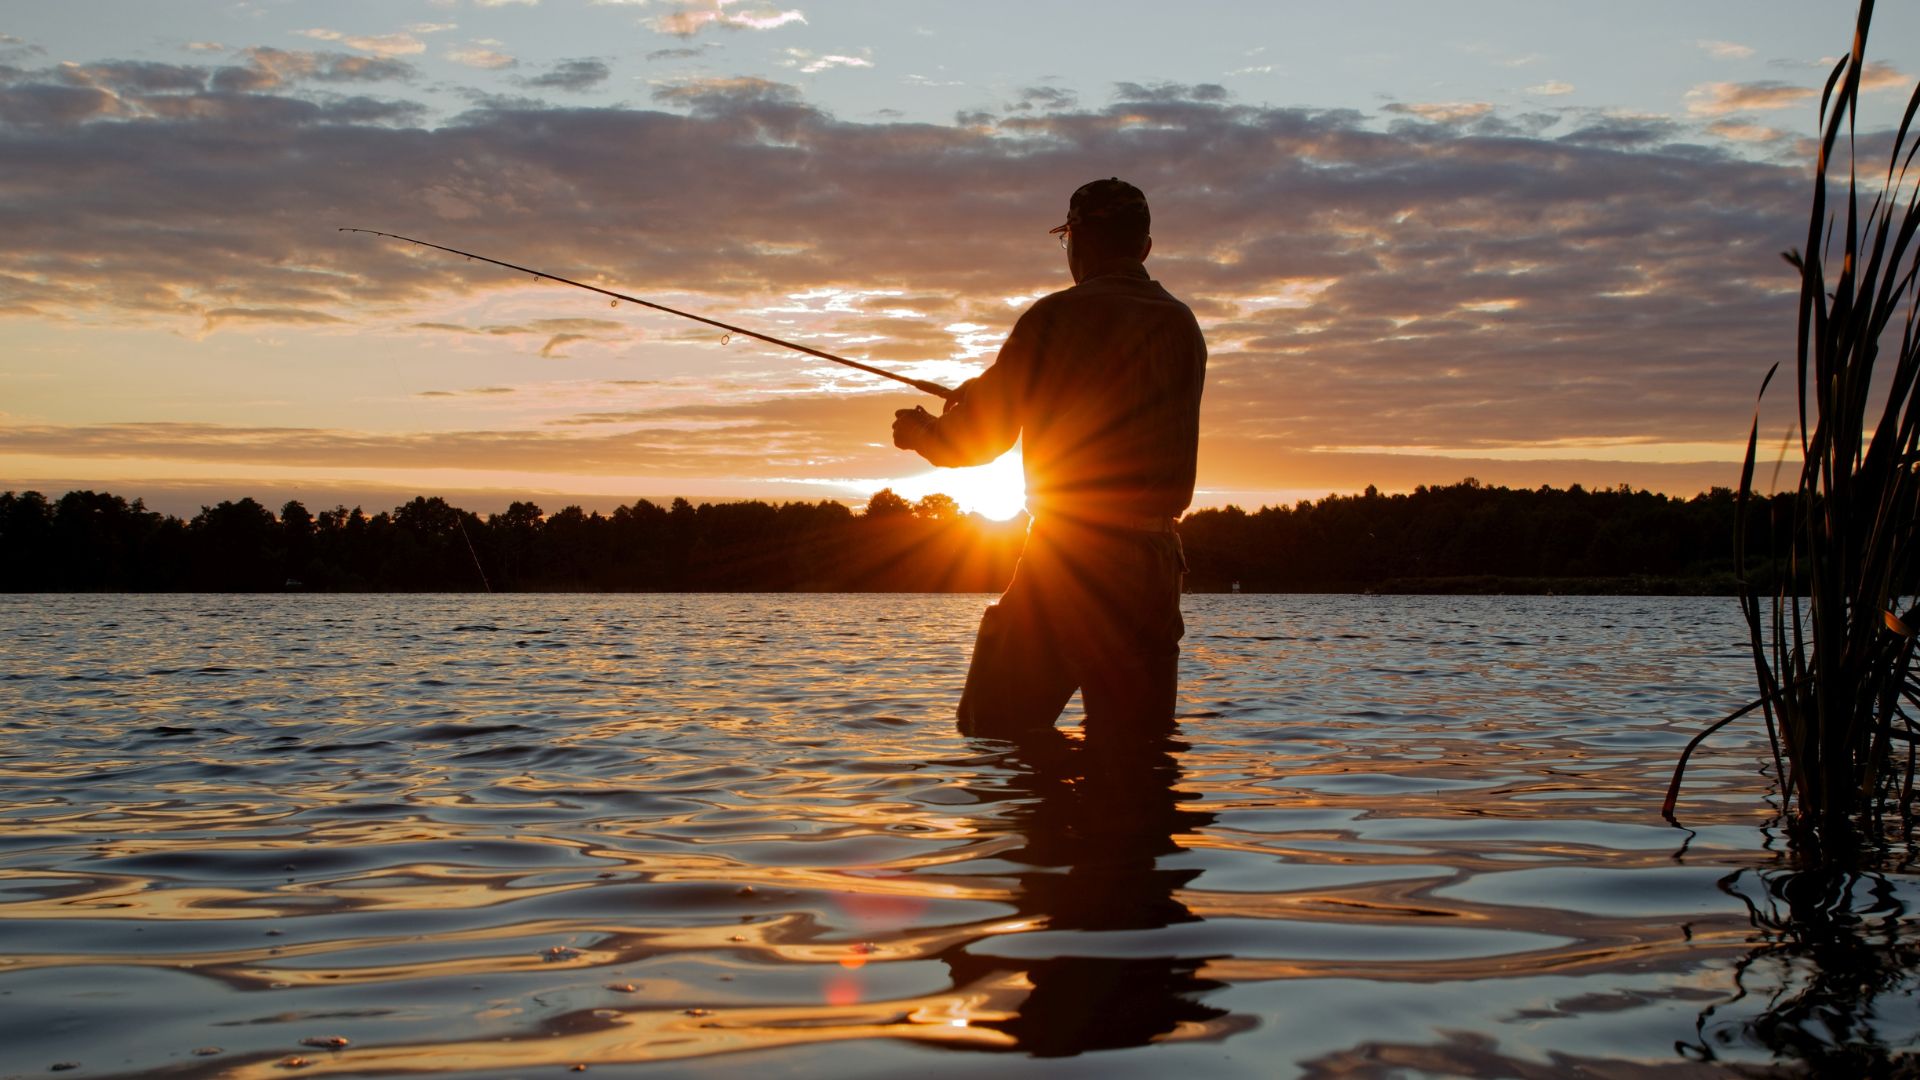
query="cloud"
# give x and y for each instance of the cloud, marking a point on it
(1482, 286)
(727, 95)
(13, 48)
(558, 332)
(478, 391)
(1877, 75)
(1045, 98)
(480, 55)
(1725, 98)
(1443, 112)
(534, 326)
(690, 19)
(432, 27)
(1168, 93)
(1623, 131)
(42, 105)
(284, 316)
(810, 63)
(135, 76)
(685, 52)
(551, 350)
(1725, 50)
(1882, 76)
(74, 93)
(270, 69)
(807, 435)
(378, 44)
(575, 76)
(1744, 132)
(1551, 88)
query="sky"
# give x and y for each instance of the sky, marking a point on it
(1529, 243)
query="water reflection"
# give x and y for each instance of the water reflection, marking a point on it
(1093, 822)
(505, 836)
(1829, 967)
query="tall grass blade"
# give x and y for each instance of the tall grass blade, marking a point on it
(1831, 638)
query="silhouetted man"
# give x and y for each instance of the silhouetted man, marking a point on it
(1103, 382)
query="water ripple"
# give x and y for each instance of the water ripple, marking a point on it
(500, 835)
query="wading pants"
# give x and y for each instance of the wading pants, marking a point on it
(1093, 609)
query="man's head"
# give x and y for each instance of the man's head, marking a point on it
(1106, 220)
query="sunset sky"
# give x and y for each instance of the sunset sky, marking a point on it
(1532, 243)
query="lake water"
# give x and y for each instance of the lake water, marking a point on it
(504, 836)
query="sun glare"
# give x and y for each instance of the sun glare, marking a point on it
(997, 490)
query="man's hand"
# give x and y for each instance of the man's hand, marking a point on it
(910, 427)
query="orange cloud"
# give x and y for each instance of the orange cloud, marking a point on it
(1726, 50)
(379, 44)
(284, 316)
(1445, 112)
(1723, 98)
(1877, 75)
(691, 19)
(481, 55)
(1740, 132)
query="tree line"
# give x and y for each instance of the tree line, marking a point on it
(1463, 537)
(89, 541)
(1469, 537)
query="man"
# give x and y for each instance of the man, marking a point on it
(1103, 383)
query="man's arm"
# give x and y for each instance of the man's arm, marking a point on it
(984, 419)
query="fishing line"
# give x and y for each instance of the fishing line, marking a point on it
(921, 385)
(476, 555)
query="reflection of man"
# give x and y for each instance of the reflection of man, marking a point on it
(1089, 836)
(1102, 381)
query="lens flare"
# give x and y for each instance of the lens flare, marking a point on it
(996, 490)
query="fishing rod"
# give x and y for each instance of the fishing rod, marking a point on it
(921, 385)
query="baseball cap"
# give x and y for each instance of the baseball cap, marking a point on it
(1112, 199)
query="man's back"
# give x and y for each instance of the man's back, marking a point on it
(1103, 382)
(1111, 416)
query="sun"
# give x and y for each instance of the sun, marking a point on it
(996, 490)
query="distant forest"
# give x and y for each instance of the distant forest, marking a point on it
(1466, 537)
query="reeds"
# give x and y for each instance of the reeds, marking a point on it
(1833, 636)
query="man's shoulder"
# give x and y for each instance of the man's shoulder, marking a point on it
(1102, 292)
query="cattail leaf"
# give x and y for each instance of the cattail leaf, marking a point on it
(1831, 676)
